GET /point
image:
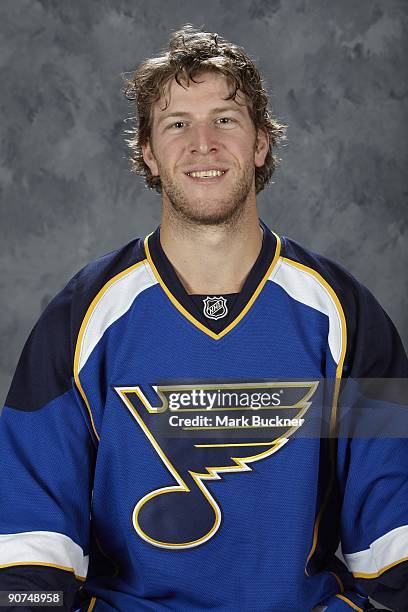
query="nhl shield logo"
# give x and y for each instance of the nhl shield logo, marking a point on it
(215, 307)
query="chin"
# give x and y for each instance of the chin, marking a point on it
(210, 215)
(226, 209)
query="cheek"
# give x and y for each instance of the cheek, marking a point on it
(168, 152)
(244, 145)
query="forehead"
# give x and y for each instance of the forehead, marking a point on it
(210, 90)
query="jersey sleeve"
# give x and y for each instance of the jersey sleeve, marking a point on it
(373, 469)
(47, 454)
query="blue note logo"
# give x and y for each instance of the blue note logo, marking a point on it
(215, 307)
(200, 431)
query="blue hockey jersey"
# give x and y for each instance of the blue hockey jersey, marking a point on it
(161, 451)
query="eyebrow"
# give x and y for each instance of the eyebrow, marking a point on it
(214, 111)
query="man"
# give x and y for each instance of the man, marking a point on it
(151, 443)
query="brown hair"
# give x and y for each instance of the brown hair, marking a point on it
(190, 53)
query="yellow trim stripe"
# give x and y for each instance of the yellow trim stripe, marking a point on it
(92, 604)
(82, 330)
(339, 371)
(350, 603)
(381, 571)
(61, 567)
(339, 582)
(190, 317)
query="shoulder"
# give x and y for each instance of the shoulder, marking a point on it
(333, 273)
(351, 293)
(86, 284)
(373, 346)
(48, 355)
(82, 288)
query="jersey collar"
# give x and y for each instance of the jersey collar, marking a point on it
(175, 291)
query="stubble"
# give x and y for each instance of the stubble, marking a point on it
(212, 211)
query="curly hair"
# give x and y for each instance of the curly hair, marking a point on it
(192, 52)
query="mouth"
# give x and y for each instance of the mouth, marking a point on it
(212, 175)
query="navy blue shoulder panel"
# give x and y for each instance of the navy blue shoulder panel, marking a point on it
(374, 348)
(45, 368)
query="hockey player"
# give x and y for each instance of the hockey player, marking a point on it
(134, 474)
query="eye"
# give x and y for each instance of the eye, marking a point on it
(177, 124)
(225, 120)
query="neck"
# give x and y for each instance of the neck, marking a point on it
(212, 259)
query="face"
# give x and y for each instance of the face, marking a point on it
(205, 150)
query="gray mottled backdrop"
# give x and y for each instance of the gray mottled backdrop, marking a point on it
(336, 73)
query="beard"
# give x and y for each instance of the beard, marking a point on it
(211, 210)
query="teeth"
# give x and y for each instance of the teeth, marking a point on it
(206, 173)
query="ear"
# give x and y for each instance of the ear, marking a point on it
(149, 158)
(261, 148)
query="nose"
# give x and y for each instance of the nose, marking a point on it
(203, 139)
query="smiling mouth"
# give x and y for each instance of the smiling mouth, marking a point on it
(206, 174)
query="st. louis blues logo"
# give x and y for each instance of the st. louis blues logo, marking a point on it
(215, 307)
(199, 432)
